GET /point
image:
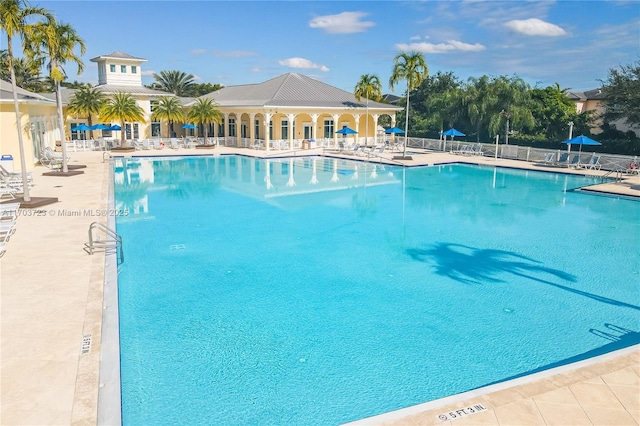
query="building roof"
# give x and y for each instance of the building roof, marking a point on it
(290, 90)
(6, 94)
(134, 90)
(118, 55)
(587, 95)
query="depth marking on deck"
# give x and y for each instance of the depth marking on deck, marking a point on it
(177, 247)
(86, 344)
(461, 412)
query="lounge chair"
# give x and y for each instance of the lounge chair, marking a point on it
(564, 159)
(549, 158)
(48, 160)
(575, 161)
(371, 152)
(464, 150)
(477, 149)
(593, 163)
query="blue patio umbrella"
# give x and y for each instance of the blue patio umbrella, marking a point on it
(82, 127)
(394, 130)
(100, 127)
(188, 126)
(115, 127)
(581, 140)
(346, 130)
(452, 132)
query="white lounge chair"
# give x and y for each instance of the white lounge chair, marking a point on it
(549, 158)
(593, 163)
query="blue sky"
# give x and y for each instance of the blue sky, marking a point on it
(573, 43)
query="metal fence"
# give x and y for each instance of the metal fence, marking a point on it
(524, 153)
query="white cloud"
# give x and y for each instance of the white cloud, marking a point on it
(148, 72)
(302, 63)
(196, 52)
(535, 27)
(449, 46)
(342, 23)
(234, 53)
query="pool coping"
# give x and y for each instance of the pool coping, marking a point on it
(109, 398)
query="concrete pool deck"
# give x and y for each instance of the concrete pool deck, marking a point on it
(51, 310)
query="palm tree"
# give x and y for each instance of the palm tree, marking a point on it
(204, 111)
(86, 101)
(168, 108)
(176, 82)
(411, 67)
(370, 87)
(55, 42)
(27, 72)
(13, 21)
(122, 107)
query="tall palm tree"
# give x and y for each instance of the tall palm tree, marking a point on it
(86, 101)
(122, 107)
(204, 111)
(13, 21)
(168, 108)
(54, 43)
(412, 68)
(176, 82)
(370, 87)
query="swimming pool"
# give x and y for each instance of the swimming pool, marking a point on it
(321, 291)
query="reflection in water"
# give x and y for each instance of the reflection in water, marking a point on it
(203, 177)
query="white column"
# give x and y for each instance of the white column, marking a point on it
(336, 123)
(357, 119)
(238, 129)
(375, 127)
(267, 120)
(226, 127)
(314, 124)
(291, 118)
(252, 128)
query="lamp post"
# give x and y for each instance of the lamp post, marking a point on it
(570, 129)
(570, 136)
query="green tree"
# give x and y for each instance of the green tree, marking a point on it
(168, 108)
(13, 21)
(369, 87)
(622, 94)
(412, 68)
(201, 89)
(552, 111)
(54, 43)
(176, 82)
(478, 99)
(86, 101)
(512, 106)
(204, 111)
(122, 107)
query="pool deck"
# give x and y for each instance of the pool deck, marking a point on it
(51, 303)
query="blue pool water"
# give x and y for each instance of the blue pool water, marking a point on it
(322, 291)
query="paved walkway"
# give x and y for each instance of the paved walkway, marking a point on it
(51, 311)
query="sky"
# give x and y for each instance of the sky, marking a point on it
(572, 43)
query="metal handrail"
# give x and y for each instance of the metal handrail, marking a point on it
(110, 233)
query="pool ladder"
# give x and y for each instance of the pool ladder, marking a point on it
(104, 239)
(618, 174)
